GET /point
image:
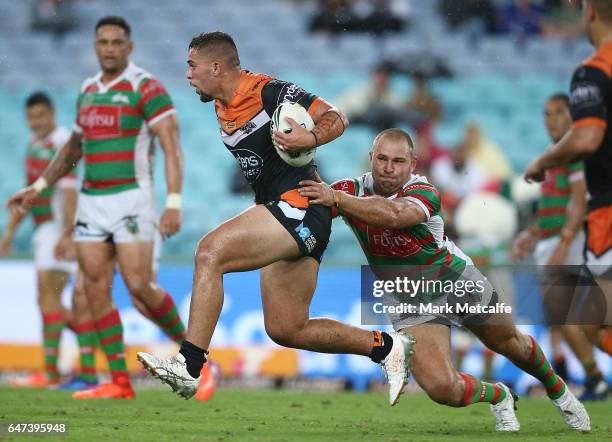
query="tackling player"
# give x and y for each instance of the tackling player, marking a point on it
(120, 112)
(559, 241)
(53, 215)
(390, 202)
(282, 234)
(590, 138)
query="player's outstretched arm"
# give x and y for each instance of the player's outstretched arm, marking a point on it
(167, 130)
(578, 143)
(64, 161)
(373, 210)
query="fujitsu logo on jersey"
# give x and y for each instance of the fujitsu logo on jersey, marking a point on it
(100, 121)
(388, 242)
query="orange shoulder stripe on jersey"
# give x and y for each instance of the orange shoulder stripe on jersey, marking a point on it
(590, 121)
(246, 103)
(601, 59)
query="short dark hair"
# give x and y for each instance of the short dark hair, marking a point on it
(114, 20)
(217, 40)
(561, 96)
(38, 97)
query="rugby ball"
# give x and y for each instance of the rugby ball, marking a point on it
(279, 123)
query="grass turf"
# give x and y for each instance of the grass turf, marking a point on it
(256, 415)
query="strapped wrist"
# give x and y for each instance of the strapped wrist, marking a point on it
(40, 184)
(174, 201)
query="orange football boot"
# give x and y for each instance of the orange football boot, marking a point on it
(106, 391)
(207, 386)
(35, 380)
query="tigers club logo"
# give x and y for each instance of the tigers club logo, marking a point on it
(100, 121)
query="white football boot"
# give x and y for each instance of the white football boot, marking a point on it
(396, 365)
(505, 418)
(171, 371)
(573, 412)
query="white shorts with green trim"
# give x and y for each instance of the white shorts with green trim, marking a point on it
(124, 217)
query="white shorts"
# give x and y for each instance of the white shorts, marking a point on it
(125, 217)
(545, 248)
(44, 240)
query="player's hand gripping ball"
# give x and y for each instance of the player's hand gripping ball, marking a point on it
(280, 122)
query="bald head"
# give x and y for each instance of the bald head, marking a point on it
(217, 46)
(396, 136)
(392, 161)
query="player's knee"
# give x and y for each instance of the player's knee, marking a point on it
(445, 390)
(136, 285)
(208, 254)
(281, 334)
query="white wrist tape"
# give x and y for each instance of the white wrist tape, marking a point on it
(174, 201)
(40, 184)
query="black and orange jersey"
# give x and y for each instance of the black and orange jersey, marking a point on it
(591, 104)
(245, 130)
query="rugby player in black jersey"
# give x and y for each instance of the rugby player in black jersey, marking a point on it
(590, 138)
(282, 234)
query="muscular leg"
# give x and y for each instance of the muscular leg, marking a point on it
(251, 240)
(135, 264)
(51, 284)
(433, 369)
(85, 330)
(286, 288)
(97, 261)
(505, 339)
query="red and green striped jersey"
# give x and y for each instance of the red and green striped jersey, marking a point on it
(552, 206)
(40, 152)
(421, 245)
(115, 120)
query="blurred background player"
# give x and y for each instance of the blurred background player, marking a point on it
(393, 203)
(558, 240)
(590, 138)
(120, 112)
(53, 215)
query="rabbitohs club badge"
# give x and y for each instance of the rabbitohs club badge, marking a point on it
(131, 224)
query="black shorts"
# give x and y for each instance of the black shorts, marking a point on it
(309, 226)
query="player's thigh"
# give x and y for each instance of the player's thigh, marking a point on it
(96, 262)
(432, 364)
(287, 288)
(250, 240)
(135, 260)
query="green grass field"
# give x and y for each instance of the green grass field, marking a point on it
(255, 415)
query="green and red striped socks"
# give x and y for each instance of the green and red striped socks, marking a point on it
(167, 318)
(86, 336)
(110, 335)
(479, 391)
(53, 324)
(539, 367)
